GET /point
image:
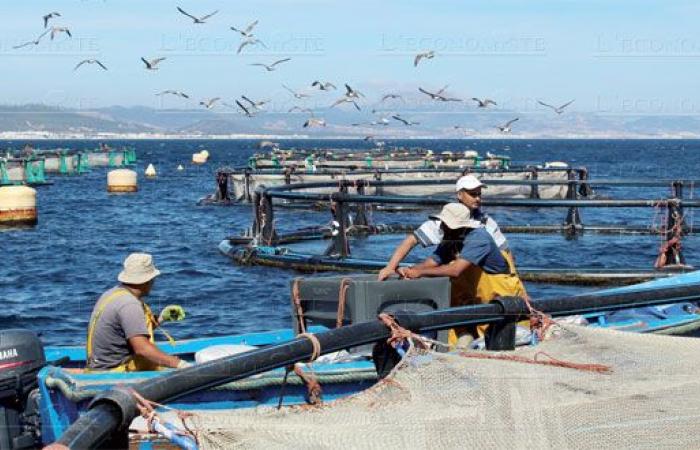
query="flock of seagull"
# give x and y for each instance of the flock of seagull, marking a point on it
(250, 107)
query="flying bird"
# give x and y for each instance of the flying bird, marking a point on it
(300, 109)
(50, 16)
(505, 128)
(298, 95)
(153, 63)
(196, 19)
(89, 61)
(484, 103)
(257, 105)
(312, 122)
(425, 55)
(558, 110)
(439, 95)
(57, 30)
(346, 100)
(247, 31)
(249, 41)
(352, 93)
(391, 96)
(34, 42)
(323, 86)
(406, 122)
(171, 92)
(209, 103)
(245, 110)
(271, 67)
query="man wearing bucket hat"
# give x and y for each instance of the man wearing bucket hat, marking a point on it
(120, 333)
(431, 232)
(479, 270)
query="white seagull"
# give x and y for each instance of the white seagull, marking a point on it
(34, 42)
(313, 122)
(172, 92)
(406, 122)
(558, 110)
(298, 95)
(427, 55)
(50, 16)
(257, 105)
(57, 30)
(247, 31)
(484, 103)
(505, 128)
(89, 61)
(209, 103)
(245, 110)
(439, 95)
(346, 100)
(153, 63)
(249, 41)
(391, 96)
(271, 67)
(352, 93)
(197, 19)
(323, 86)
(300, 109)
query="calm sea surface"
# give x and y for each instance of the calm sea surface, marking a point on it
(50, 276)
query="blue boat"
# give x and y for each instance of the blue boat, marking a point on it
(64, 391)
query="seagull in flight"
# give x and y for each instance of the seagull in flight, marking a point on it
(34, 42)
(246, 32)
(171, 92)
(298, 95)
(57, 30)
(245, 110)
(346, 100)
(256, 105)
(249, 41)
(89, 61)
(153, 63)
(352, 93)
(271, 67)
(485, 102)
(558, 110)
(439, 95)
(197, 19)
(209, 103)
(406, 122)
(505, 128)
(323, 86)
(50, 16)
(425, 55)
(391, 96)
(312, 122)
(300, 109)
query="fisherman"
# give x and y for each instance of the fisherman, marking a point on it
(478, 269)
(120, 334)
(430, 233)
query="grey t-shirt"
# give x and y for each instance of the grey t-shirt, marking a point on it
(121, 319)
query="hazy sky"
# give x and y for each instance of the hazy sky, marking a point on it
(613, 56)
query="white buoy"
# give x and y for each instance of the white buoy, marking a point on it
(17, 205)
(150, 171)
(556, 165)
(179, 167)
(471, 154)
(122, 180)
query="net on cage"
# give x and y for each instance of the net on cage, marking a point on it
(581, 388)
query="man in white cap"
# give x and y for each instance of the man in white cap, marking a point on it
(431, 233)
(120, 334)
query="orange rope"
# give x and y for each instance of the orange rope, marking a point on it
(398, 333)
(539, 321)
(296, 298)
(342, 297)
(598, 368)
(315, 344)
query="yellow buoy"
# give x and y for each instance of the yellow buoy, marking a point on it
(201, 157)
(150, 171)
(205, 153)
(122, 180)
(17, 205)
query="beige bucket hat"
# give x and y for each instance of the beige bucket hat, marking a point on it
(138, 269)
(456, 215)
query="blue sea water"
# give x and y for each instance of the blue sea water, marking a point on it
(51, 275)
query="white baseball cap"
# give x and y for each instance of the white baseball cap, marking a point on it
(468, 182)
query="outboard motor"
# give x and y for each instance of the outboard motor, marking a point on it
(21, 357)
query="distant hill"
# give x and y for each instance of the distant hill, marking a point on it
(341, 121)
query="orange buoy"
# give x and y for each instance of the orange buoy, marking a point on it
(122, 180)
(17, 206)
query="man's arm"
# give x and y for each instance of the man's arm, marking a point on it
(452, 270)
(146, 349)
(399, 254)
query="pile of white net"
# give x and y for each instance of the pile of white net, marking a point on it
(650, 398)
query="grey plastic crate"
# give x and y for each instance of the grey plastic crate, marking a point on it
(366, 298)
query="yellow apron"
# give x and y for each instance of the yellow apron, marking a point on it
(135, 363)
(474, 286)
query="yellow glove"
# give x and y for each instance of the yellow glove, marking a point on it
(172, 313)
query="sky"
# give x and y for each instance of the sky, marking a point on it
(612, 56)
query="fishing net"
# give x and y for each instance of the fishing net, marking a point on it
(605, 389)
